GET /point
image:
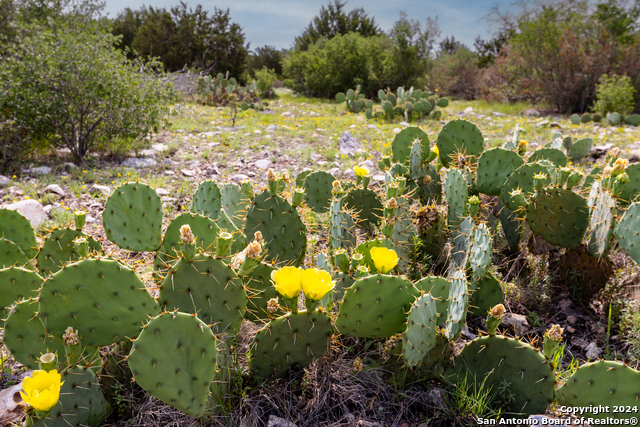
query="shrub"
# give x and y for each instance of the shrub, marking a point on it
(614, 94)
(456, 74)
(69, 86)
(265, 56)
(265, 78)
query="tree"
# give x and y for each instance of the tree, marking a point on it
(333, 20)
(487, 50)
(450, 45)
(65, 83)
(265, 56)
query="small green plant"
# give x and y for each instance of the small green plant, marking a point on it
(614, 94)
(474, 399)
(630, 330)
(265, 78)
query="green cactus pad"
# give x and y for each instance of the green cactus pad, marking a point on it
(522, 178)
(376, 306)
(208, 288)
(301, 177)
(81, 404)
(132, 217)
(104, 300)
(17, 283)
(559, 216)
(460, 136)
(203, 228)
(26, 337)
(498, 361)
(455, 190)
(342, 283)
(631, 189)
(614, 118)
(480, 254)
(429, 187)
(576, 119)
(439, 289)
(462, 241)
(554, 155)
(458, 303)
(633, 120)
(295, 338)
(18, 229)
(601, 222)
(511, 225)
(626, 231)
(494, 168)
(404, 232)
(341, 97)
(11, 255)
(234, 203)
(174, 360)
(403, 143)
(259, 291)
(366, 205)
(607, 383)
(422, 329)
(342, 227)
(365, 249)
(207, 199)
(282, 229)
(58, 249)
(487, 295)
(317, 190)
(580, 149)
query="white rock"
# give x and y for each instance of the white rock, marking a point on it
(368, 164)
(239, 177)
(41, 170)
(592, 351)
(271, 128)
(148, 154)
(349, 173)
(263, 164)
(188, 172)
(162, 192)
(160, 147)
(404, 124)
(133, 162)
(4, 181)
(279, 422)
(30, 209)
(518, 321)
(372, 126)
(469, 110)
(11, 409)
(54, 188)
(377, 178)
(348, 144)
(102, 190)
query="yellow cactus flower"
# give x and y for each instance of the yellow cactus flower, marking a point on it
(287, 281)
(361, 171)
(436, 150)
(316, 283)
(384, 259)
(42, 390)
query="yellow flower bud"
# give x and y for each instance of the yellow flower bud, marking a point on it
(186, 235)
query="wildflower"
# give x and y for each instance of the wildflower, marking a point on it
(287, 281)
(316, 283)
(361, 171)
(186, 235)
(523, 143)
(384, 259)
(42, 390)
(436, 150)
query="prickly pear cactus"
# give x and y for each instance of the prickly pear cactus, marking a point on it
(520, 376)
(203, 228)
(58, 249)
(553, 155)
(480, 254)
(104, 300)
(342, 227)
(403, 143)
(365, 249)
(234, 203)
(601, 222)
(81, 403)
(494, 168)
(439, 289)
(17, 283)
(455, 190)
(207, 199)
(422, 328)
(462, 242)
(26, 337)
(559, 216)
(376, 306)
(317, 190)
(606, 383)
(459, 137)
(488, 294)
(207, 287)
(511, 225)
(259, 291)
(293, 338)
(283, 231)
(580, 149)
(522, 178)
(631, 189)
(174, 360)
(132, 217)
(366, 205)
(626, 230)
(11, 255)
(18, 229)
(458, 304)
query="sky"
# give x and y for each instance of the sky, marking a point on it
(278, 22)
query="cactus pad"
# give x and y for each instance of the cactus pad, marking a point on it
(429, 187)
(439, 289)
(459, 137)
(58, 249)
(487, 295)
(207, 199)
(208, 288)
(462, 241)
(317, 190)
(174, 359)
(604, 383)
(259, 291)
(626, 231)
(559, 216)
(554, 155)
(11, 255)
(602, 221)
(631, 189)
(494, 168)
(455, 190)
(293, 338)
(480, 254)
(18, 229)
(18, 283)
(458, 303)
(422, 327)
(234, 203)
(104, 300)
(580, 149)
(366, 205)
(283, 231)
(403, 143)
(132, 217)
(376, 306)
(522, 178)
(511, 225)
(506, 361)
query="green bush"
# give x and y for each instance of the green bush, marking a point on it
(614, 94)
(68, 85)
(265, 78)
